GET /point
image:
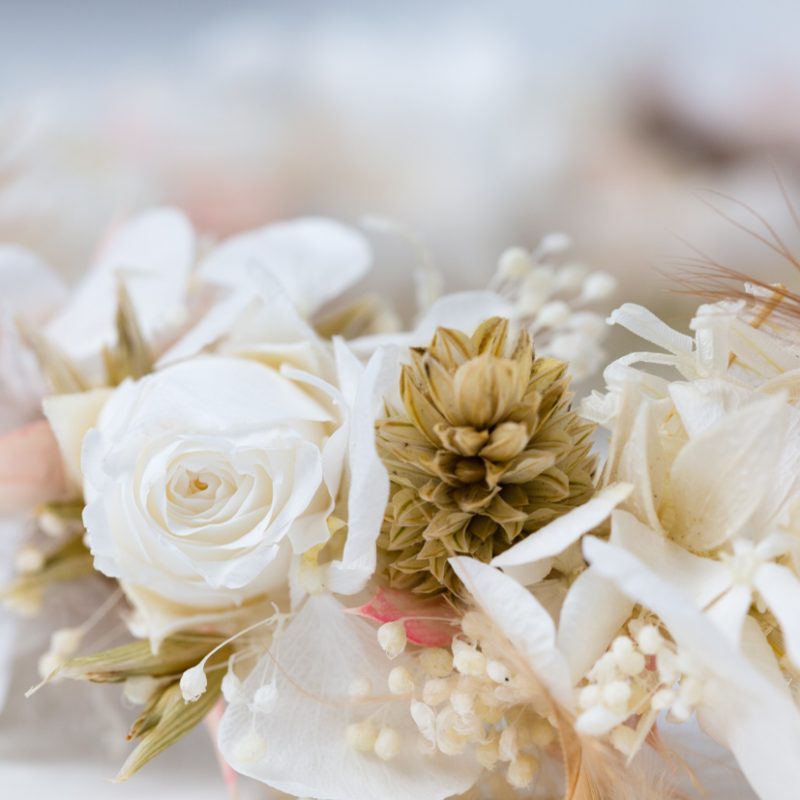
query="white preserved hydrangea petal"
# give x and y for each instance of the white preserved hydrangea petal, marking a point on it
(779, 587)
(520, 617)
(591, 616)
(642, 463)
(705, 402)
(557, 536)
(153, 254)
(741, 707)
(313, 259)
(304, 749)
(719, 478)
(699, 579)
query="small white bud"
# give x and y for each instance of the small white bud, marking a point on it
(589, 696)
(598, 286)
(623, 739)
(552, 314)
(667, 665)
(497, 671)
(387, 745)
(488, 753)
(553, 244)
(52, 525)
(514, 263)
(138, 689)
(436, 691)
(462, 702)
(509, 747)
(265, 698)
(473, 625)
(250, 749)
(467, 660)
(359, 688)
(66, 641)
(29, 559)
(400, 681)
(570, 277)
(605, 668)
(392, 638)
(361, 736)
(650, 640)
(425, 719)
(233, 690)
(48, 663)
(681, 710)
(616, 693)
(436, 662)
(193, 683)
(522, 770)
(662, 699)
(622, 646)
(631, 663)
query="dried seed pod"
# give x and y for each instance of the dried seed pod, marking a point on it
(485, 452)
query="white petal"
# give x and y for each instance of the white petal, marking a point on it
(720, 477)
(558, 535)
(644, 323)
(741, 706)
(703, 403)
(780, 589)
(521, 619)
(369, 481)
(642, 462)
(28, 286)
(699, 579)
(152, 254)
(70, 417)
(591, 616)
(313, 663)
(730, 610)
(313, 259)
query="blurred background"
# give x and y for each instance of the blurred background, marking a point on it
(473, 125)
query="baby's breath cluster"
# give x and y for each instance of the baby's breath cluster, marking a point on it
(552, 294)
(639, 676)
(465, 699)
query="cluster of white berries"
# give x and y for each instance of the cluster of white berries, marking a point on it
(550, 296)
(462, 699)
(641, 675)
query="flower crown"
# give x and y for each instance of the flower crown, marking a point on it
(381, 560)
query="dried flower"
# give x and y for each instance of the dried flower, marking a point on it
(486, 452)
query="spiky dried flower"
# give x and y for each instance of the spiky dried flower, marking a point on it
(486, 451)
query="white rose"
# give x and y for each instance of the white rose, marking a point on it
(202, 478)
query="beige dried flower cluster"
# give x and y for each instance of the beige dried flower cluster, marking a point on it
(486, 451)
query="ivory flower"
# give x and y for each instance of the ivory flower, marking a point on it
(739, 701)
